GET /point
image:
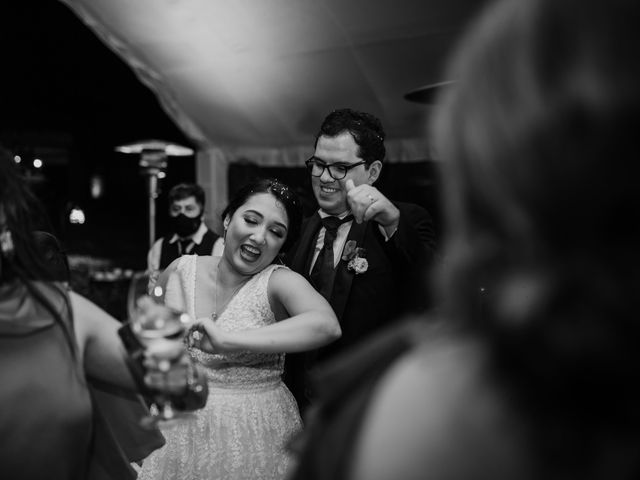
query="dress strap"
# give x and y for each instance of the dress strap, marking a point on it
(262, 280)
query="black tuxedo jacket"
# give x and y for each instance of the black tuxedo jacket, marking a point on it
(395, 283)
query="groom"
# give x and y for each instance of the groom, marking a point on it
(369, 256)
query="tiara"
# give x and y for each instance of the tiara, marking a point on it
(283, 190)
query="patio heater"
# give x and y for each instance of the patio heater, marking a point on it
(153, 157)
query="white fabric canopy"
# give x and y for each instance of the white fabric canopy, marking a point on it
(255, 78)
(263, 73)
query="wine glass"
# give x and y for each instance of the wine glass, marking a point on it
(161, 330)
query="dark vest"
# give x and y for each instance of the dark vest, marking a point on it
(169, 251)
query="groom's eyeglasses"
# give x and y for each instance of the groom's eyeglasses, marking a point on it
(337, 171)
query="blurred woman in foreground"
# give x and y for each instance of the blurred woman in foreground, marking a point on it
(543, 208)
(51, 340)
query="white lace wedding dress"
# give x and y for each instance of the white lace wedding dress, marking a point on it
(250, 414)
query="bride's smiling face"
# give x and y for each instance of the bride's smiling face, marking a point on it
(255, 233)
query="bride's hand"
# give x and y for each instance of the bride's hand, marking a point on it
(208, 336)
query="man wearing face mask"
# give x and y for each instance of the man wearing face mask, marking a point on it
(188, 233)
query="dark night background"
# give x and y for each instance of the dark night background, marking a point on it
(67, 99)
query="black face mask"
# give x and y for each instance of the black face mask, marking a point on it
(185, 226)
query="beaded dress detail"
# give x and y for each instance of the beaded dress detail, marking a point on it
(250, 414)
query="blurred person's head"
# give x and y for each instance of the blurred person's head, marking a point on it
(261, 221)
(349, 145)
(22, 262)
(20, 215)
(535, 137)
(186, 208)
(55, 257)
(542, 207)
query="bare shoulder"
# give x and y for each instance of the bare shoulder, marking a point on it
(290, 293)
(90, 321)
(206, 261)
(84, 310)
(205, 265)
(431, 409)
(283, 277)
(81, 304)
(173, 265)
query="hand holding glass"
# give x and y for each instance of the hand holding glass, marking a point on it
(161, 331)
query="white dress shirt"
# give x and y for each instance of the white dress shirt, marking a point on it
(341, 238)
(153, 257)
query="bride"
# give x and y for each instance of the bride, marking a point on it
(250, 311)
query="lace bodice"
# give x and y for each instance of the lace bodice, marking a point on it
(250, 415)
(248, 309)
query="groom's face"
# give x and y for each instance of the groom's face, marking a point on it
(330, 193)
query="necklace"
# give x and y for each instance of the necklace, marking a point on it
(223, 305)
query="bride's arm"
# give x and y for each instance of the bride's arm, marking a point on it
(311, 322)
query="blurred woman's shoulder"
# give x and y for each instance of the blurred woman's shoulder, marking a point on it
(20, 311)
(435, 410)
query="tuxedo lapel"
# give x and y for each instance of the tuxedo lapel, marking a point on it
(344, 278)
(301, 261)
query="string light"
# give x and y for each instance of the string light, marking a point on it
(77, 216)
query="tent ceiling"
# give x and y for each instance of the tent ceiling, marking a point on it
(263, 73)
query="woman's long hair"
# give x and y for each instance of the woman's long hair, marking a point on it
(537, 138)
(21, 214)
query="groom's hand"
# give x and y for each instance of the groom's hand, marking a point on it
(367, 202)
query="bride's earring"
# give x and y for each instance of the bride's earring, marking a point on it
(225, 225)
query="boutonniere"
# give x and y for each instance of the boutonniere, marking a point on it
(356, 257)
